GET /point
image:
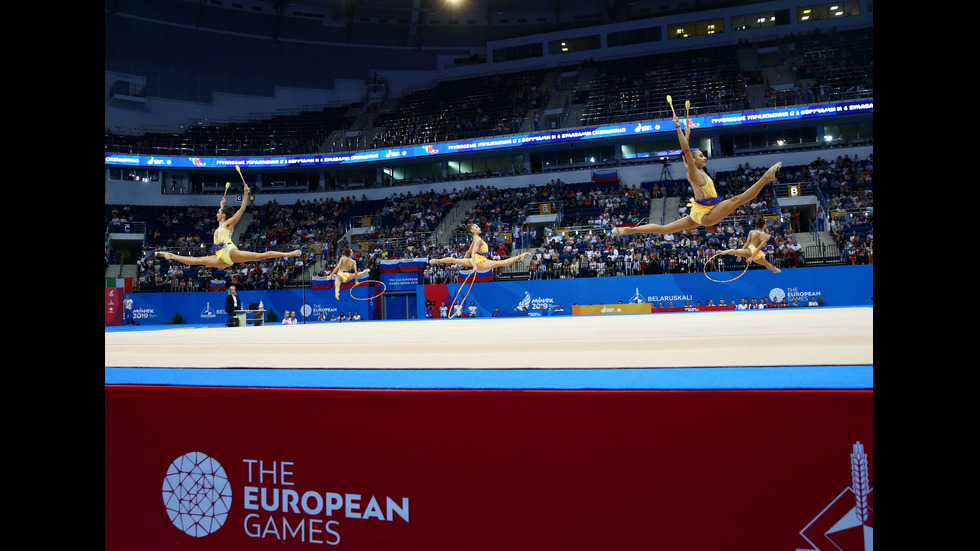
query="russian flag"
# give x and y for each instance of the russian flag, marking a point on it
(481, 275)
(605, 176)
(390, 266)
(321, 282)
(413, 264)
(401, 265)
(216, 285)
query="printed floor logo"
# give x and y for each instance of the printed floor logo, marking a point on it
(196, 494)
(847, 522)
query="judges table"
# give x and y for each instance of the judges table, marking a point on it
(245, 317)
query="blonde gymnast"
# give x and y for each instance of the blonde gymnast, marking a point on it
(474, 254)
(226, 253)
(707, 209)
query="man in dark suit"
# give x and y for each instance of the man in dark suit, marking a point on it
(232, 303)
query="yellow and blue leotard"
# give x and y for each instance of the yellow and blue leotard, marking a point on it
(479, 258)
(223, 245)
(702, 206)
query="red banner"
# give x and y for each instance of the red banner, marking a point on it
(694, 308)
(243, 469)
(113, 306)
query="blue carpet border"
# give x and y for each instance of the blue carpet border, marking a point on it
(846, 377)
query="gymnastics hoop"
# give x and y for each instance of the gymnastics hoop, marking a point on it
(453, 305)
(383, 289)
(747, 262)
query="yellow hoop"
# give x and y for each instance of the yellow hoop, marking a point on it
(747, 262)
(383, 289)
(453, 305)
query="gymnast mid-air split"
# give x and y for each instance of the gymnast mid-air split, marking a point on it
(226, 252)
(752, 251)
(707, 209)
(473, 258)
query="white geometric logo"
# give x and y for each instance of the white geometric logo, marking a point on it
(847, 522)
(637, 297)
(196, 494)
(207, 312)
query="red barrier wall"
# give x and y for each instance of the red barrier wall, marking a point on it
(473, 470)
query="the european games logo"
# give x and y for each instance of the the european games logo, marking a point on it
(197, 494)
(777, 294)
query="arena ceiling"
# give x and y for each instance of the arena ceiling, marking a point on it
(485, 10)
(614, 9)
(417, 23)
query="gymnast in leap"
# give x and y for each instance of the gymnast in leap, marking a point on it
(706, 208)
(225, 251)
(752, 252)
(474, 254)
(345, 269)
